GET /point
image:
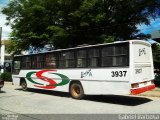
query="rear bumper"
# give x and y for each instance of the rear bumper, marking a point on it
(143, 89)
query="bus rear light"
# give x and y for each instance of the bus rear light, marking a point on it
(145, 83)
(135, 85)
(152, 81)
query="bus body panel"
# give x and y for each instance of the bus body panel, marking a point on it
(94, 81)
(106, 88)
(142, 73)
(16, 80)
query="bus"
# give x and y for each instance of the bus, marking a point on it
(118, 68)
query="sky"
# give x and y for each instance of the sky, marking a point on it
(154, 25)
(6, 30)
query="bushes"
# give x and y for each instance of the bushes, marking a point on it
(7, 76)
(157, 80)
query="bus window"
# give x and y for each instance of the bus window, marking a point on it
(40, 61)
(93, 55)
(50, 61)
(26, 62)
(70, 59)
(81, 58)
(113, 56)
(34, 61)
(61, 60)
(121, 55)
(16, 67)
(107, 56)
(67, 60)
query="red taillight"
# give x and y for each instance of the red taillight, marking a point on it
(135, 85)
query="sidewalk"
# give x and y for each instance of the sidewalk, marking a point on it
(152, 93)
(7, 83)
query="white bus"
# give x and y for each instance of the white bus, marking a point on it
(118, 68)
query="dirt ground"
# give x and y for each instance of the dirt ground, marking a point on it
(152, 93)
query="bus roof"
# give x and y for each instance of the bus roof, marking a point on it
(88, 46)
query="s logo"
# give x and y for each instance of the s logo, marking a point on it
(51, 82)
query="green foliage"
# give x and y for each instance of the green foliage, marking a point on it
(68, 23)
(6, 76)
(157, 80)
(156, 59)
(107, 39)
(156, 55)
(13, 46)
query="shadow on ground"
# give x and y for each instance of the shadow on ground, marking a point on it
(119, 99)
(113, 99)
(46, 92)
(1, 91)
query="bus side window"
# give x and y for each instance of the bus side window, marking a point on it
(114, 56)
(34, 61)
(107, 56)
(121, 56)
(61, 60)
(50, 61)
(93, 55)
(40, 61)
(81, 58)
(26, 62)
(69, 59)
(16, 67)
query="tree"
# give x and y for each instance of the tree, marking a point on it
(156, 56)
(68, 23)
(12, 46)
(143, 36)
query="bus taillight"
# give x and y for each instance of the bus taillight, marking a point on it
(152, 81)
(135, 85)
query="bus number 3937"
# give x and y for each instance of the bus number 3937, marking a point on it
(118, 73)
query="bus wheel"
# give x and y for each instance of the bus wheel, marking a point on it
(23, 85)
(76, 91)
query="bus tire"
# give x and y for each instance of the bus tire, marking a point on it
(23, 85)
(76, 91)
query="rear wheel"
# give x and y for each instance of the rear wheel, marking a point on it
(76, 91)
(24, 85)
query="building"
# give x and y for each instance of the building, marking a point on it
(5, 58)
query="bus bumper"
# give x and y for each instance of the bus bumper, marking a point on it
(141, 90)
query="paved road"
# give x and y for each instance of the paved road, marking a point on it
(15, 101)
